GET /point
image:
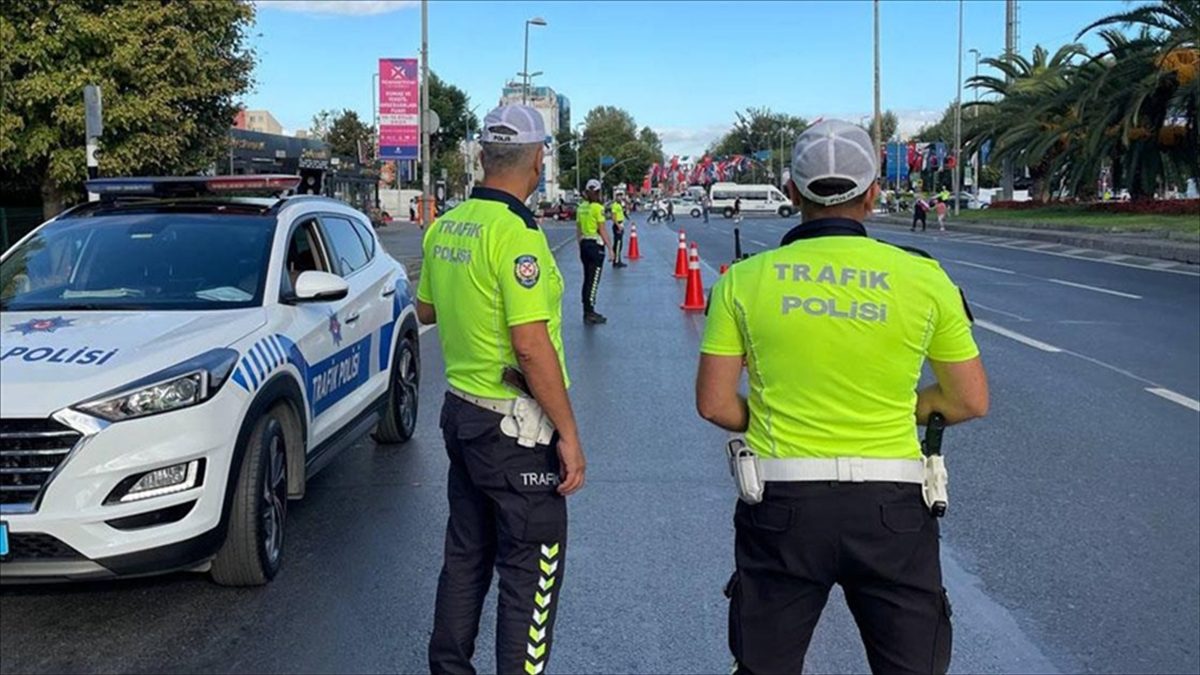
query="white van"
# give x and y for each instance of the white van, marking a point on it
(756, 200)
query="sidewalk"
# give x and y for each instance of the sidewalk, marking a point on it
(1145, 244)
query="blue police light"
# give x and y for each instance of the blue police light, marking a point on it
(191, 186)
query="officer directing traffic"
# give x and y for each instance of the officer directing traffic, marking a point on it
(593, 245)
(833, 328)
(618, 232)
(491, 284)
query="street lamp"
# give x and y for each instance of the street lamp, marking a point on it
(470, 155)
(956, 176)
(578, 147)
(975, 155)
(535, 21)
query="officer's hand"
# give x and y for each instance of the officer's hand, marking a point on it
(570, 457)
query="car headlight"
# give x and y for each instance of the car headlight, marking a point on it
(180, 386)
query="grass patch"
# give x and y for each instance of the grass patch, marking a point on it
(1075, 217)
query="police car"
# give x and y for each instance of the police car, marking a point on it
(176, 362)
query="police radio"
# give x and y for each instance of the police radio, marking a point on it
(934, 488)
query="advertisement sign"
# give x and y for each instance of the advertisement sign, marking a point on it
(399, 109)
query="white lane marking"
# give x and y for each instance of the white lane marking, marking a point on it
(1010, 315)
(1163, 264)
(982, 267)
(755, 241)
(1013, 335)
(425, 329)
(1182, 400)
(1075, 251)
(1096, 289)
(1115, 258)
(1007, 243)
(1044, 245)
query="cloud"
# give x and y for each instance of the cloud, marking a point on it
(690, 141)
(345, 7)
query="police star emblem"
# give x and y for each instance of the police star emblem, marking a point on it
(526, 271)
(41, 325)
(335, 328)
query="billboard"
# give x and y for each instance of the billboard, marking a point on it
(399, 109)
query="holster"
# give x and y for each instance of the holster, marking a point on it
(743, 465)
(527, 423)
(937, 498)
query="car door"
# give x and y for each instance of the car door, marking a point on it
(312, 334)
(344, 383)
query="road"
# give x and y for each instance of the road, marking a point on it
(1072, 544)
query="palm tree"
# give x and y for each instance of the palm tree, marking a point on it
(1145, 99)
(1033, 113)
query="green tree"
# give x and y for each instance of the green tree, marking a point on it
(891, 124)
(170, 74)
(611, 132)
(757, 130)
(343, 131)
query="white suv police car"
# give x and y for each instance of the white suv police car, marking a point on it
(174, 364)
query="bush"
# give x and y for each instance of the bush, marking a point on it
(1157, 207)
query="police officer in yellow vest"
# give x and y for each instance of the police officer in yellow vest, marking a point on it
(594, 246)
(491, 284)
(833, 328)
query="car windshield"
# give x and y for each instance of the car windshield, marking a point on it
(139, 262)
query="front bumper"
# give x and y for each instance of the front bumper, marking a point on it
(71, 508)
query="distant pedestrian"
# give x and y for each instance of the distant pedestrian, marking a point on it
(920, 210)
(737, 207)
(670, 210)
(705, 205)
(941, 213)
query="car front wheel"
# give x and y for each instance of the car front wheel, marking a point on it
(785, 211)
(728, 212)
(253, 550)
(399, 421)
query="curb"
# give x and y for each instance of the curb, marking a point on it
(1137, 243)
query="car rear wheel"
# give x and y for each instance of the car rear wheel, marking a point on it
(728, 212)
(253, 550)
(399, 421)
(695, 213)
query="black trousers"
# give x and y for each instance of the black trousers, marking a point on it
(877, 540)
(591, 253)
(918, 215)
(505, 513)
(618, 241)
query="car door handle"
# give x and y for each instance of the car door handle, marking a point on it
(389, 292)
(352, 318)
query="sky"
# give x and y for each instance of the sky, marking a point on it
(682, 68)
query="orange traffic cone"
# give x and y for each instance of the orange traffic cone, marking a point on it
(681, 257)
(634, 251)
(693, 297)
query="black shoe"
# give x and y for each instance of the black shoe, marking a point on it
(619, 264)
(592, 318)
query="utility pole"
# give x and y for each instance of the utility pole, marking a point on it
(93, 113)
(877, 130)
(1010, 47)
(956, 178)
(426, 169)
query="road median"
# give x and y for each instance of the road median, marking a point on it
(1175, 246)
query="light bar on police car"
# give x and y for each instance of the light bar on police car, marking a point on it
(186, 186)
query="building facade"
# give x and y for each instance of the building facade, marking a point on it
(257, 120)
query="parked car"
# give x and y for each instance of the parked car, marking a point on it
(176, 370)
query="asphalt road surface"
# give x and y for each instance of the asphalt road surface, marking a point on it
(1072, 542)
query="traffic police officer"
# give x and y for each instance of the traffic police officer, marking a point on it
(833, 328)
(593, 243)
(618, 231)
(491, 284)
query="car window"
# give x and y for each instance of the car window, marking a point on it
(140, 262)
(367, 238)
(304, 254)
(345, 244)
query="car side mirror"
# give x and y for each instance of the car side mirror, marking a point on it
(313, 286)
